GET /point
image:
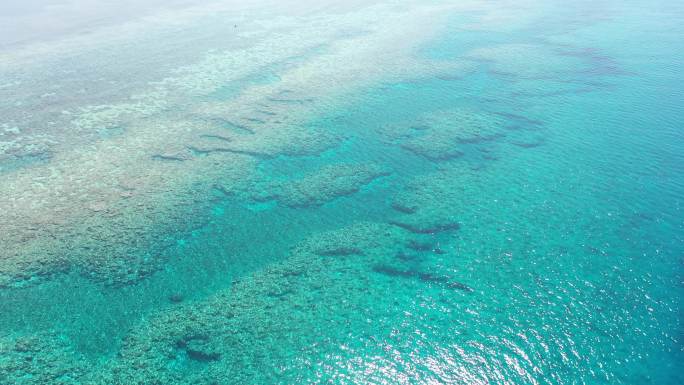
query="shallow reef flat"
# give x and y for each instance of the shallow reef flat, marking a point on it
(151, 152)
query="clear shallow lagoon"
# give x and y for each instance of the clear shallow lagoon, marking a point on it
(389, 193)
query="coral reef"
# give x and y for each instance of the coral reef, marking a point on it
(531, 61)
(40, 359)
(326, 184)
(263, 329)
(425, 277)
(432, 203)
(123, 225)
(136, 166)
(439, 135)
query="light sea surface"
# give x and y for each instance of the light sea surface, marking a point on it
(522, 222)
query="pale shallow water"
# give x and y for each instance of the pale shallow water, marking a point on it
(503, 206)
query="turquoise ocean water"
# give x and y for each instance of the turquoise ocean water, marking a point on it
(542, 244)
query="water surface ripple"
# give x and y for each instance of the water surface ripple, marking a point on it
(362, 193)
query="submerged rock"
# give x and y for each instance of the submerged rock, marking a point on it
(438, 136)
(443, 280)
(199, 348)
(176, 298)
(327, 184)
(430, 204)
